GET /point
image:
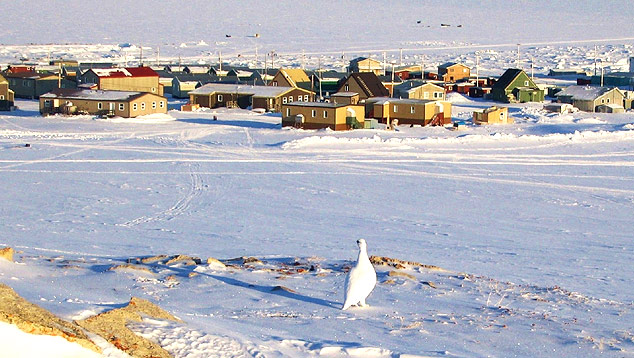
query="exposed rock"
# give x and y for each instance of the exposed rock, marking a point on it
(215, 262)
(389, 282)
(402, 274)
(147, 260)
(130, 267)
(111, 326)
(7, 253)
(249, 260)
(283, 288)
(33, 319)
(187, 260)
(400, 264)
(429, 283)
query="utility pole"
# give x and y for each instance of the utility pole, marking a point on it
(303, 58)
(220, 63)
(401, 56)
(392, 86)
(59, 75)
(477, 69)
(158, 56)
(518, 57)
(266, 70)
(595, 60)
(141, 56)
(532, 68)
(384, 64)
(321, 95)
(422, 67)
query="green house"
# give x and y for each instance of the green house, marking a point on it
(516, 86)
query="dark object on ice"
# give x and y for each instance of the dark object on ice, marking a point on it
(418, 22)
(215, 118)
(27, 145)
(459, 25)
(227, 35)
(444, 25)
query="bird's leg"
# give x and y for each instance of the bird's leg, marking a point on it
(362, 303)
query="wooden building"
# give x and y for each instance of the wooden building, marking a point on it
(364, 64)
(269, 98)
(318, 115)
(452, 72)
(589, 98)
(516, 86)
(291, 77)
(6, 95)
(135, 79)
(345, 98)
(366, 84)
(32, 84)
(419, 89)
(492, 115)
(99, 102)
(409, 111)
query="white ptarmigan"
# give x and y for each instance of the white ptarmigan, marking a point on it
(361, 279)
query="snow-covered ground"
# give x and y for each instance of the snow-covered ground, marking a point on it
(529, 224)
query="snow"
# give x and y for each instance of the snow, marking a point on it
(529, 223)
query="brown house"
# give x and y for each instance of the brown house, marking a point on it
(6, 95)
(366, 84)
(318, 115)
(98, 102)
(136, 79)
(345, 98)
(452, 71)
(270, 98)
(409, 111)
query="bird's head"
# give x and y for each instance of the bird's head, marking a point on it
(362, 244)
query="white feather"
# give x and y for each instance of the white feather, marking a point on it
(360, 280)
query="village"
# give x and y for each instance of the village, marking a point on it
(368, 93)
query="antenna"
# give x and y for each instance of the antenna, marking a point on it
(518, 56)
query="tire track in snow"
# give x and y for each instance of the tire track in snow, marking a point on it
(182, 206)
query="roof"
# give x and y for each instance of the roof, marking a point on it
(294, 75)
(88, 94)
(255, 91)
(318, 104)
(370, 84)
(449, 64)
(124, 72)
(344, 94)
(29, 75)
(584, 93)
(385, 100)
(2, 79)
(507, 78)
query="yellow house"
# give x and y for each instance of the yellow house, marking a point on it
(289, 77)
(318, 115)
(364, 64)
(135, 79)
(345, 98)
(409, 111)
(98, 102)
(417, 89)
(492, 115)
(452, 71)
(6, 95)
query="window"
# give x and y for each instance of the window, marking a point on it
(437, 94)
(153, 105)
(274, 83)
(525, 83)
(25, 83)
(412, 109)
(153, 89)
(464, 70)
(288, 112)
(305, 98)
(608, 100)
(161, 104)
(284, 100)
(143, 106)
(313, 113)
(47, 103)
(347, 88)
(325, 114)
(290, 98)
(1, 97)
(99, 105)
(299, 98)
(121, 106)
(395, 108)
(425, 95)
(134, 106)
(219, 97)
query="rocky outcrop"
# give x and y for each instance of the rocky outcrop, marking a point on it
(7, 253)
(34, 319)
(112, 327)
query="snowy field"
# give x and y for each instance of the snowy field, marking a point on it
(529, 225)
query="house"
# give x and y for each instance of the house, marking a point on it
(327, 82)
(492, 115)
(6, 95)
(452, 72)
(32, 85)
(364, 64)
(135, 79)
(516, 86)
(345, 98)
(614, 79)
(182, 84)
(390, 82)
(196, 69)
(589, 98)
(125, 104)
(419, 89)
(409, 111)
(291, 77)
(270, 98)
(366, 84)
(559, 108)
(318, 115)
